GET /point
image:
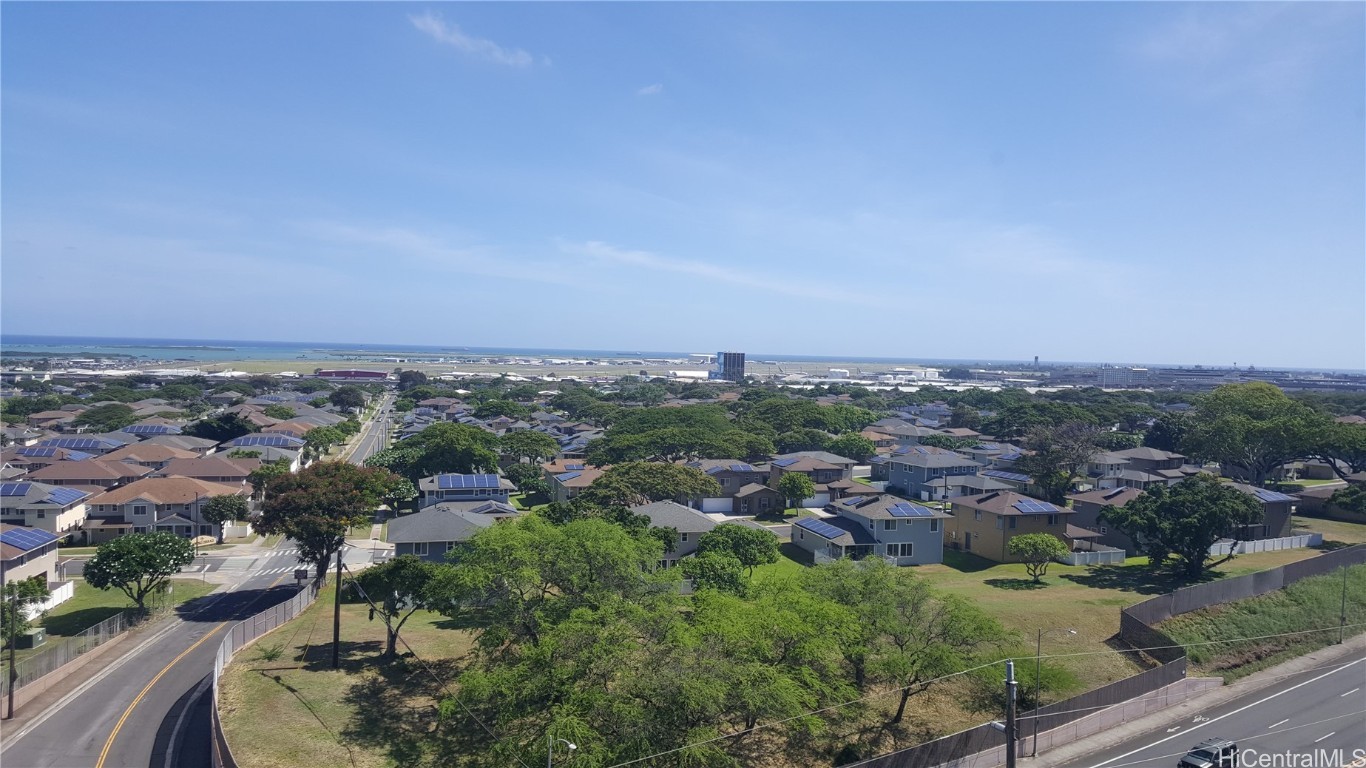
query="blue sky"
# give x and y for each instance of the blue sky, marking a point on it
(1080, 181)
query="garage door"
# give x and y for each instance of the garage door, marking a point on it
(720, 504)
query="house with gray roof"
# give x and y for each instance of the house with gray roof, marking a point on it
(903, 532)
(452, 487)
(731, 475)
(52, 508)
(440, 528)
(690, 525)
(913, 469)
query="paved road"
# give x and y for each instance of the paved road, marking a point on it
(375, 436)
(1320, 709)
(149, 709)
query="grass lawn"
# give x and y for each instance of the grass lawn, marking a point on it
(1313, 602)
(529, 502)
(273, 540)
(780, 515)
(297, 711)
(791, 561)
(1332, 530)
(73, 551)
(90, 606)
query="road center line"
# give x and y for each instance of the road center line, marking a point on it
(1321, 738)
(1228, 714)
(1349, 693)
(1283, 722)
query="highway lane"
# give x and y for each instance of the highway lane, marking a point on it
(1319, 709)
(375, 436)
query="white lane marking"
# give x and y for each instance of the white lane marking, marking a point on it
(1283, 722)
(1349, 693)
(1321, 738)
(1230, 714)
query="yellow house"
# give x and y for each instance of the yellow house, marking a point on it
(984, 524)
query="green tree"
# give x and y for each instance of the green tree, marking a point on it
(281, 412)
(1059, 454)
(1037, 551)
(404, 404)
(750, 546)
(261, 477)
(535, 447)
(220, 429)
(395, 590)
(409, 379)
(718, 570)
(519, 474)
(1341, 446)
(347, 398)
(315, 506)
(948, 442)
(440, 448)
(965, 417)
(18, 595)
(1252, 428)
(495, 408)
(107, 418)
(319, 439)
(852, 445)
(903, 634)
(1117, 441)
(1185, 520)
(1168, 432)
(219, 510)
(794, 486)
(802, 439)
(641, 482)
(138, 564)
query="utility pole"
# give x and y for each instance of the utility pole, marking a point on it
(1011, 725)
(13, 640)
(336, 614)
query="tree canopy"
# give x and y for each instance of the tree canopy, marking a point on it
(441, 448)
(316, 505)
(641, 482)
(107, 418)
(1252, 428)
(749, 546)
(395, 590)
(1183, 521)
(1037, 551)
(138, 564)
(795, 486)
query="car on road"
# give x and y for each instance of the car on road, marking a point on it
(1212, 753)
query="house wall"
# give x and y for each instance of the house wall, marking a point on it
(731, 482)
(39, 562)
(1087, 515)
(926, 537)
(991, 542)
(808, 541)
(53, 520)
(432, 497)
(915, 479)
(754, 503)
(431, 551)
(684, 545)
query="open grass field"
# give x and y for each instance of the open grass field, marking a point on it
(295, 710)
(1315, 602)
(90, 606)
(1332, 530)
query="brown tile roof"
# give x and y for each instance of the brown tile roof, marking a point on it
(90, 469)
(143, 452)
(1003, 503)
(210, 466)
(168, 490)
(292, 427)
(1114, 497)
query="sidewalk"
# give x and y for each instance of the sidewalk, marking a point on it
(1354, 647)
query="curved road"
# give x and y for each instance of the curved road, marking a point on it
(149, 707)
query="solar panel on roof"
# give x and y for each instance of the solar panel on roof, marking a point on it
(76, 442)
(819, 527)
(573, 466)
(741, 468)
(14, 489)
(151, 429)
(905, 509)
(1002, 475)
(1034, 507)
(1271, 496)
(26, 539)
(467, 481)
(38, 452)
(78, 456)
(270, 441)
(784, 462)
(567, 476)
(64, 496)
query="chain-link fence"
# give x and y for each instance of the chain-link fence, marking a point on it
(241, 634)
(57, 654)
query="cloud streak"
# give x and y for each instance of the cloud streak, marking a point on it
(436, 27)
(606, 255)
(651, 90)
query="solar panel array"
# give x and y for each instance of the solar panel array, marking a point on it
(567, 476)
(742, 468)
(904, 509)
(1271, 496)
(573, 466)
(27, 539)
(14, 489)
(78, 456)
(819, 527)
(151, 429)
(1003, 475)
(37, 451)
(784, 462)
(1034, 507)
(82, 443)
(270, 441)
(466, 481)
(64, 496)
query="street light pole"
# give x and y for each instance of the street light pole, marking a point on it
(550, 748)
(336, 614)
(1011, 728)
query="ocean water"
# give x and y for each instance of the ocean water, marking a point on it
(220, 350)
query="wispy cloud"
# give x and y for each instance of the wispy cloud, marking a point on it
(436, 27)
(606, 256)
(651, 90)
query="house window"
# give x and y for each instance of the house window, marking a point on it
(900, 550)
(801, 534)
(1013, 520)
(420, 548)
(140, 509)
(682, 537)
(977, 515)
(725, 482)
(764, 502)
(41, 515)
(934, 525)
(1000, 523)
(1104, 530)
(889, 525)
(450, 545)
(1052, 519)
